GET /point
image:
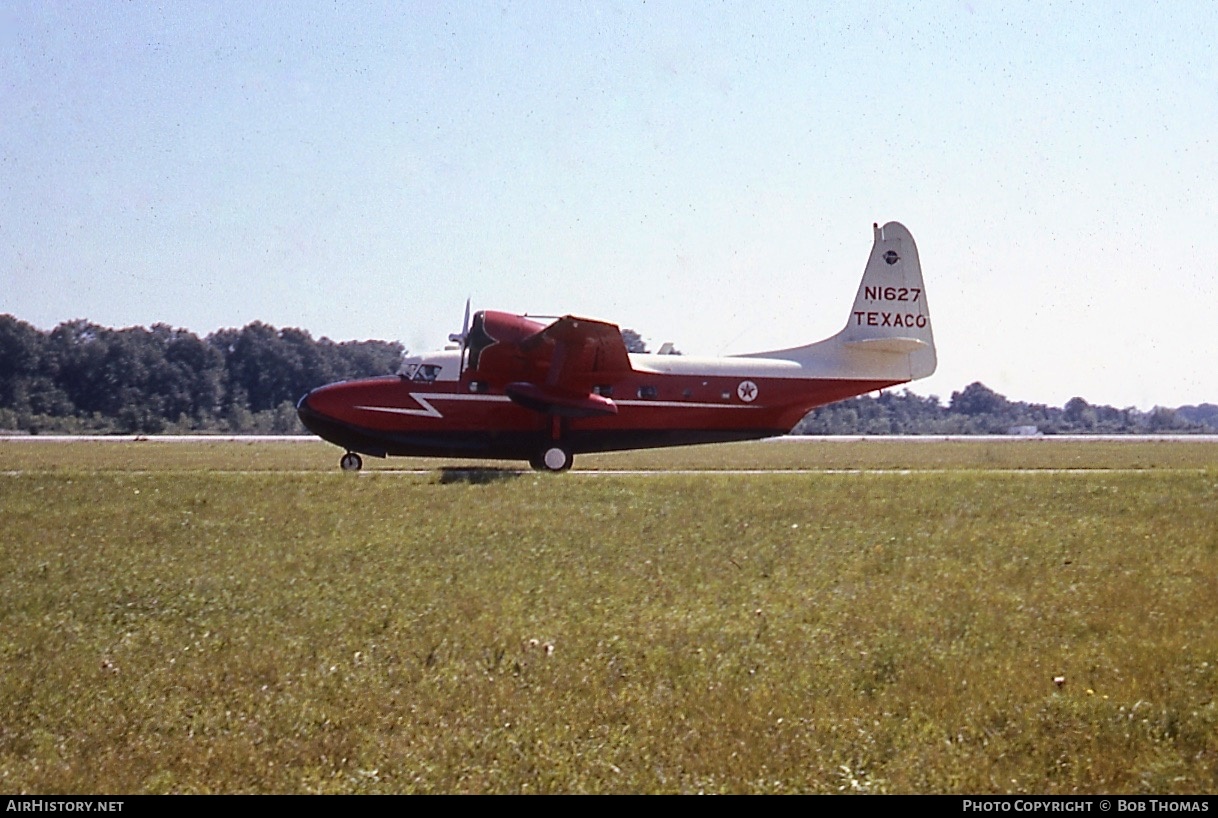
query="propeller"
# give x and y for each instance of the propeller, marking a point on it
(462, 337)
(459, 338)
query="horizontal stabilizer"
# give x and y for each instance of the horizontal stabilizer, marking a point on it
(886, 344)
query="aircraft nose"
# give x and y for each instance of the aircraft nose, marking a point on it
(327, 401)
(321, 408)
(307, 413)
(302, 405)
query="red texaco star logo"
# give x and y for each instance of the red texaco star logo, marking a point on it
(747, 391)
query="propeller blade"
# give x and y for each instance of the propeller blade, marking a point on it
(460, 339)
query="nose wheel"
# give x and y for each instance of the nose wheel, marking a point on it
(553, 458)
(351, 462)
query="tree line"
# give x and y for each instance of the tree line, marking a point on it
(81, 377)
(977, 410)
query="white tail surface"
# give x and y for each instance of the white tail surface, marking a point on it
(888, 333)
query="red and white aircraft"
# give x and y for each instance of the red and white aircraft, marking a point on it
(520, 389)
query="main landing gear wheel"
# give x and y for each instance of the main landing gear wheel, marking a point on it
(552, 458)
(351, 462)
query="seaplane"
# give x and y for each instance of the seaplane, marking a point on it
(511, 387)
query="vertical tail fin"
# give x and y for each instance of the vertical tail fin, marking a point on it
(890, 312)
(888, 333)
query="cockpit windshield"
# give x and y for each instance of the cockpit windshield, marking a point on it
(420, 373)
(444, 365)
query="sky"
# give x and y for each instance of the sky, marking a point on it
(705, 173)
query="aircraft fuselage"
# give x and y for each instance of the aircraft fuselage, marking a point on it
(465, 418)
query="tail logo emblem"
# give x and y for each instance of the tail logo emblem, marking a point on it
(747, 391)
(891, 257)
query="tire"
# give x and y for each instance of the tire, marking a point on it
(556, 458)
(351, 462)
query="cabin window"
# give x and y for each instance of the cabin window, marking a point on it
(604, 391)
(647, 391)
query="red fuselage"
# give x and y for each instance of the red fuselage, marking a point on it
(468, 417)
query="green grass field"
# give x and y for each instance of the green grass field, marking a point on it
(310, 454)
(244, 618)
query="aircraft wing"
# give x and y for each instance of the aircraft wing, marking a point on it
(555, 370)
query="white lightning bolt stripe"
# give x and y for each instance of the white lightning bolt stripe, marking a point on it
(429, 411)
